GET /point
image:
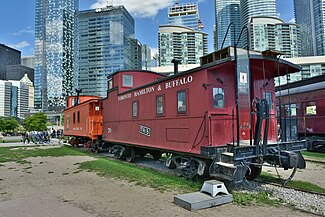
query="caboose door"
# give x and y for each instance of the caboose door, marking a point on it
(243, 99)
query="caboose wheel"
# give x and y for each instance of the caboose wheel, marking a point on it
(131, 155)
(170, 163)
(253, 172)
(156, 155)
(192, 171)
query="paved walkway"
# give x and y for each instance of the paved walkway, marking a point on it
(39, 207)
(54, 141)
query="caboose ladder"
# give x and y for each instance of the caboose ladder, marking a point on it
(224, 167)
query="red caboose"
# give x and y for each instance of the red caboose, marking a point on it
(204, 117)
(83, 119)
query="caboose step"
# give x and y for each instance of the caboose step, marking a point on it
(227, 171)
(227, 157)
(226, 165)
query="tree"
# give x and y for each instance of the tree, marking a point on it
(1, 124)
(8, 124)
(36, 122)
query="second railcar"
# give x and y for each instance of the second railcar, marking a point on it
(302, 112)
(83, 119)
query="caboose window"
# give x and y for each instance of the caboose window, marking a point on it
(128, 80)
(160, 105)
(218, 97)
(135, 109)
(291, 110)
(181, 102)
(78, 116)
(68, 123)
(110, 84)
(74, 117)
(311, 109)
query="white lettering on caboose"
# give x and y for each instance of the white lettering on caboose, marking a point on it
(125, 96)
(144, 91)
(151, 89)
(178, 82)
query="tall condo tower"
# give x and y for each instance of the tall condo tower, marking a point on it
(271, 33)
(106, 44)
(181, 43)
(186, 14)
(55, 29)
(227, 11)
(310, 15)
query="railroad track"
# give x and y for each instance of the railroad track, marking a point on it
(303, 200)
(288, 187)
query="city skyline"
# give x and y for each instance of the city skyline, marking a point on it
(18, 29)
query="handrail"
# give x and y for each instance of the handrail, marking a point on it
(224, 38)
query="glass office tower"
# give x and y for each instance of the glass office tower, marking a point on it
(106, 44)
(186, 15)
(227, 11)
(253, 8)
(310, 15)
(55, 28)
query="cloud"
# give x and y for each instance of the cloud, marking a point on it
(292, 20)
(144, 8)
(28, 30)
(20, 45)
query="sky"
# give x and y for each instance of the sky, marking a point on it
(17, 19)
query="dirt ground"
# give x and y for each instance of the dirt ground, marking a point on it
(55, 183)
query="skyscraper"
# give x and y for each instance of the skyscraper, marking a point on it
(181, 43)
(5, 98)
(28, 61)
(19, 98)
(136, 53)
(8, 56)
(146, 57)
(55, 28)
(310, 15)
(106, 44)
(253, 8)
(186, 15)
(226, 11)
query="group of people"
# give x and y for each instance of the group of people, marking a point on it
(38, 137)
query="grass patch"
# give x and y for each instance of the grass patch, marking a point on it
(7, 154)
(247, 199)
(313, 154)
(301, 185)
(141, 176)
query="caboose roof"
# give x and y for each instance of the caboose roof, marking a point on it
(142, 71)
(258, 63)
(84, 102)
